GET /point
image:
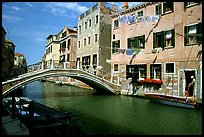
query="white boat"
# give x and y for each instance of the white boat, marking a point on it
(185, 102)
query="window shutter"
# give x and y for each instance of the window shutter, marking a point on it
(136, 42)
(199, 33)
(151, 71)
(173, 37)
(143, 40)
(185, 5)
(164, 7)
(163, 40)
(118, 44)
(154, 40)
(113, 47)
(172, 6)
(185, 35)
(128, 43)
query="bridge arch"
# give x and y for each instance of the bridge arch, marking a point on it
(95, 83)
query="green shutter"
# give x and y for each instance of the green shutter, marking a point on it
(164, 7)
(136, 42)
(185, 35)
(113, 47)
(173, 37)
(128, 43)
(143, 40)
(185, 5)
(154, 40)
(151, 71)
(172, 6)
(199, 32)
(163, 40)
(118, 44)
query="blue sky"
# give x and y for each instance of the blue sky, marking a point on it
(28, 24)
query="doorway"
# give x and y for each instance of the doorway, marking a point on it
(188, 79)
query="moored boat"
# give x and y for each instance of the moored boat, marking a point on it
(185, 102)
(39, 115)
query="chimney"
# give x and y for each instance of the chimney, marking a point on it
(124, 5)
(75, 28)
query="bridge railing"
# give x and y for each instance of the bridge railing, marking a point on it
(55, 64)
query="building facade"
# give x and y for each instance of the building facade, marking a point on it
(20, 64)
(94, 38)
(8, 50)
(159, 41)
(52, 50)
(68, 45)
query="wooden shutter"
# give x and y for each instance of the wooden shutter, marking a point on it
(164, 7)
(143, 40)
(172, 6)
(128, 43)
(185, 35)
(173, 37)
(163, 40)
(113, 47)
(136, 42)
(199, 32)
(154, 40)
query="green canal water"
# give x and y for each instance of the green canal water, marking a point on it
(116, 114)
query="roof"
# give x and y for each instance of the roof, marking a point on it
(18, 54)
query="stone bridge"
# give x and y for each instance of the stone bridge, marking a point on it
(99, 84)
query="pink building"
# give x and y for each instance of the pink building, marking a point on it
(160, 41)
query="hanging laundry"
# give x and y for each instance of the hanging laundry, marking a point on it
(155, 18)
(129, 51)
(121, 51)
(123, 19)
(131, 18)
(136, 51)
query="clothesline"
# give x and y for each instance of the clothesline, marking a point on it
(133, 18)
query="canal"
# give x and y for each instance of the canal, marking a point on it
(116, 114)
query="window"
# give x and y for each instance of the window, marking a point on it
(140, 13)
(94, 59)
(131, 43)
(63, 34)
(113, 36)
(169, 68)
(78, 62)
(63, 45)
(136, 42)
(96, 19)
(85, 42)
(141, 41)
(132, 72)
(79, 44)
(193, 34)
(142, 69)
(89, 22)
(115, 46)
(96, 37)
(115, 67)
(189, 4)
(62, 58)
(86, 60)
(155, 71)
(158, 40)
(169, 38)
(158, 9)
(68, 57)
(116, 24)
(85, 25)
(80, 29)
(168, 6)
(69, 42)
(89, 40)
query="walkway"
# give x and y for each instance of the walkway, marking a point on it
(12, 126)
